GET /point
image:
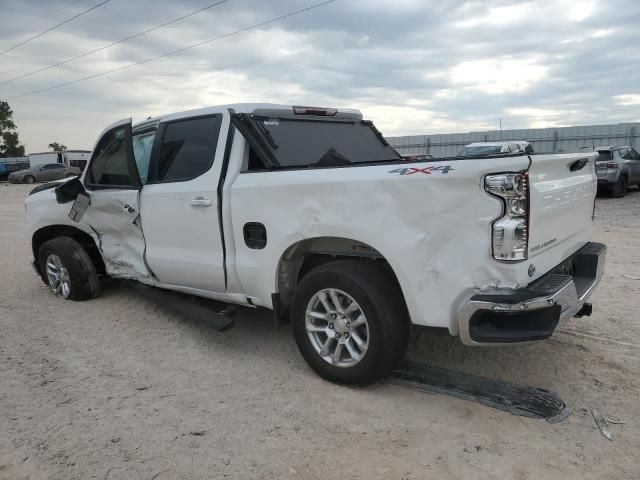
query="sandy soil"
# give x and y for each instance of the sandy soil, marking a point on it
(118, 388)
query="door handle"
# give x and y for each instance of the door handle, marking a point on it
(201, 202)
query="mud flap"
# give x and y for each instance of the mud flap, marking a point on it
(518, 400)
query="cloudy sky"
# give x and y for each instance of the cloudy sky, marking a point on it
(412, 66)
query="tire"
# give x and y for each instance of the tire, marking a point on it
(78, 277)
(29, 179)
(620, 188)
(378, 298)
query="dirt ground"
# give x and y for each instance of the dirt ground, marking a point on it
(118, 388)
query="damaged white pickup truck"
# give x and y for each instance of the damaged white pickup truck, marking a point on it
(309, 212)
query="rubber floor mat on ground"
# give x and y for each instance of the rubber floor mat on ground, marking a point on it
(518, 400)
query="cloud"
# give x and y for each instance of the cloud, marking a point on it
(499, 75)
(454, 66)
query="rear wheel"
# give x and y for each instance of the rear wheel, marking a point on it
(620, 188)
(29, 179)
(350, 322)
(67, 269)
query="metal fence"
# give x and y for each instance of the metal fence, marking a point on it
(565, 139)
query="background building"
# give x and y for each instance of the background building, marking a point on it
(562, 139)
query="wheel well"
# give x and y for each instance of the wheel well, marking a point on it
(48, 233)
(302, 257)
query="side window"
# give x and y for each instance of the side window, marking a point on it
(187, 149)
(634, 154)
(626, 154)
(109, 165)
(142, 144)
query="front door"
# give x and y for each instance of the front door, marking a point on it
(113, 185)
(179, 204)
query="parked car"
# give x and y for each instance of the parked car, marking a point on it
(44, 173)
(617, 167)
(310, 213)
(7, 169)
(417, 157)
(494, 148)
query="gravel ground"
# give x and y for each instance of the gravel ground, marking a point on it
(118, 388)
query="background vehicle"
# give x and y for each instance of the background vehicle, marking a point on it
(44, 173)
(309, 212)
(6, 168)
(494, 148)
(418, 157)
(68, 158)
(617, 168)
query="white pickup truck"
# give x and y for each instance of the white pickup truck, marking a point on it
(309, 212)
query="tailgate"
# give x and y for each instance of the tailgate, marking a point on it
(563, 189)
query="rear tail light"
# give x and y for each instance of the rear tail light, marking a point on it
(510, 233)
(320, 112)
(612, 165)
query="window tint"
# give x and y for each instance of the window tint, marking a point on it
(626, 154)
(109, 165)
(187, 150)
(634, 154)
(305, 143)
(142, 144)
(604, 155)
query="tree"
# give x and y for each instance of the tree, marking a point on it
(57, 147)
(9, 143)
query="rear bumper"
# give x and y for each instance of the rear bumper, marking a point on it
(609, 179)
(528, 314)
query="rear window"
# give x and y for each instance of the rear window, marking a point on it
(604, 155)
(309, 143)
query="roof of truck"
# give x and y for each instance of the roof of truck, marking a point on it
(262, 108)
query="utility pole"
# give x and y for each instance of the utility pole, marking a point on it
(500, 122)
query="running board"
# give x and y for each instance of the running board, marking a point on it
(187, 306)
(522, 401)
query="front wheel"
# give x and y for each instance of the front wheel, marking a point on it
(29, 179)
(350, 322)
(67, 269)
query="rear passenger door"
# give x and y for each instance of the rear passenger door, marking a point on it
(635, 166)
(179, 203)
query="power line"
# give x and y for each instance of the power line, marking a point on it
(53, 28)
(112, 44)
(173, 52)
(50, 13)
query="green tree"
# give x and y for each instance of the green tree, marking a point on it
(57, 147)
(9, 143)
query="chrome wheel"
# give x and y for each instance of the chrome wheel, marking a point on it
(337, 327)
(58, 276)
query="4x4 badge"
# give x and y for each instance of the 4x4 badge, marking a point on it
(532, 270)
(425, 170)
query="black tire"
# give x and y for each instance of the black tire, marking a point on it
(620, 188)
(83, 277)
(29, 179)
(383, 306)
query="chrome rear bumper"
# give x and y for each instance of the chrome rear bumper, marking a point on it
(506, 316)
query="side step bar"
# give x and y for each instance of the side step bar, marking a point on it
(187, 306)
(517, 400)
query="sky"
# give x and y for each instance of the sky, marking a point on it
(413, 67)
